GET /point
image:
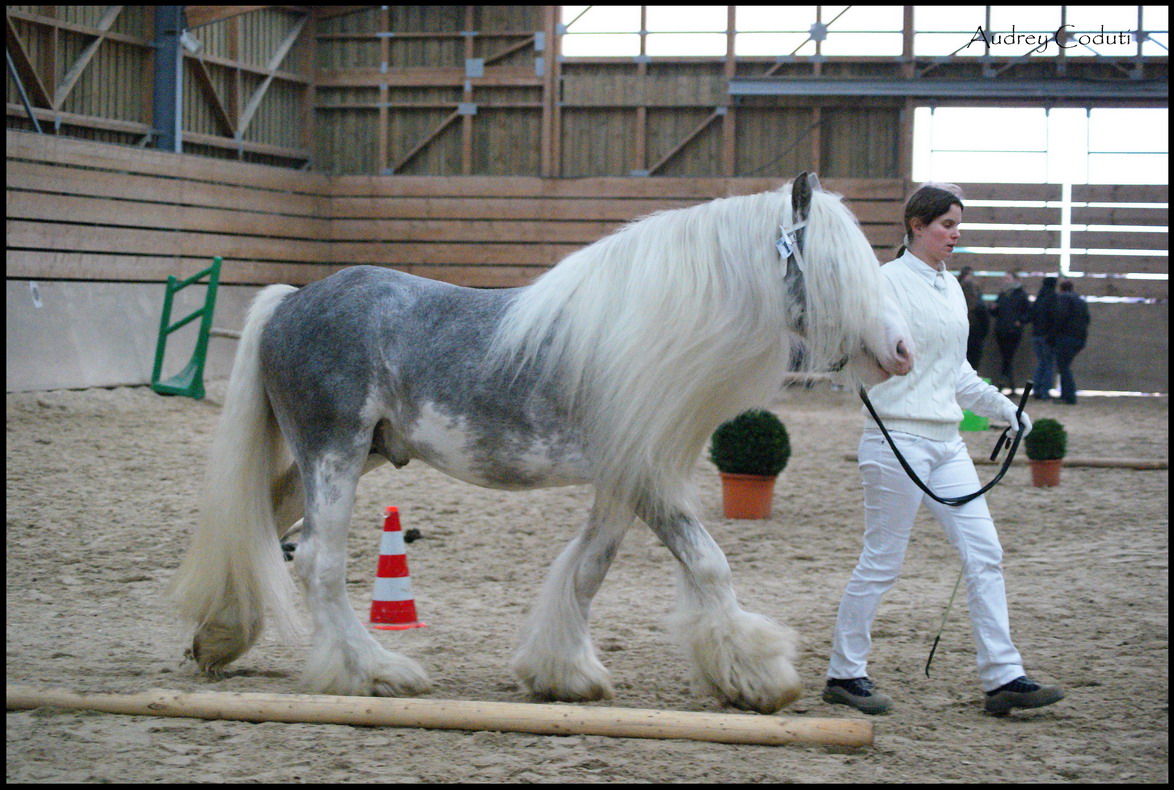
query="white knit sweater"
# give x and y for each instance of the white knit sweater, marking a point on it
(929, 401)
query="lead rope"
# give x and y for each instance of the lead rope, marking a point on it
(960, 500)
(955, 501)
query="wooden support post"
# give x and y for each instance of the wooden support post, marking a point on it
(640, 154)
(381, 145)
(546, 157)
(729, 127)
(467, 120)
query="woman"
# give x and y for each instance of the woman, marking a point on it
(1071, 333)
(922, 411)
(1043, 319)
(977, 313)
(1012, 312)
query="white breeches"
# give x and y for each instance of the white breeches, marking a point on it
(891, 501)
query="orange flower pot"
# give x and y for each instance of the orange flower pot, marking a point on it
(747, 496)
(1046, 473)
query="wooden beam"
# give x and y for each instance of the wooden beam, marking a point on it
(274, 62)
(38, 95)
(729, 126)
(87, 121)
(467, 120)
(309, 93)
(688, 139)
(200, 15)
(527, 42)
(223, 115)
(816, 163)
(403, 160)
(546, 166)
(83, 60)
(73, 27)
(381, 149)
(640, 155)
(50, 47)
(330, 12)
(427, 77)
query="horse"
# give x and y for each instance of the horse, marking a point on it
(611, 369)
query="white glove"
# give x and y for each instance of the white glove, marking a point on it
(1008, 414)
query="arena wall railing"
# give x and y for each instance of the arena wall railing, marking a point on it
(89, 212)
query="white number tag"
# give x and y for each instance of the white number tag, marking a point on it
(786, 244)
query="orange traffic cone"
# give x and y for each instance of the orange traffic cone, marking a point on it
(392, 605)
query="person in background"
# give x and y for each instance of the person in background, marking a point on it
(922, 411)
(977, 313)
(1043, 312)
(1012, 312)
(1071, 333)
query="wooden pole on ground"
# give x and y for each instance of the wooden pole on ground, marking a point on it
(550, 719)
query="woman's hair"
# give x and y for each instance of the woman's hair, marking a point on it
(966, 271)
(1046, 287)
(929, 202)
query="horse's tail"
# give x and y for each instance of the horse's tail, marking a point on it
(234, 568)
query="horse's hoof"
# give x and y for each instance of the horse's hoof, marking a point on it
(567, 684)
(400, 687)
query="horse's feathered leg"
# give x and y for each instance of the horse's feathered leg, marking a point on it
(233, 570)
(344, 658)
(555, 658)
(742, 658)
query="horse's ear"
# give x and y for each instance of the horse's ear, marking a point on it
(814, 180)
(801, 195)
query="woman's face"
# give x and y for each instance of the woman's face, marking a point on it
(935, 242)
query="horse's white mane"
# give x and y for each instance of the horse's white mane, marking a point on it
(675, 323)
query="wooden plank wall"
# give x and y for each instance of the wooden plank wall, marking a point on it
(247, 91)
(89, 211)
(483, 90)
(79, 210)
(1119, 248)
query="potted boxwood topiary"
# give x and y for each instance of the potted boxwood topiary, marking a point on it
(1046, 446)
(749, 451)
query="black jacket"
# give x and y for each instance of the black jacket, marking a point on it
(1072, 317)
(1012, 310)
(1043, 310)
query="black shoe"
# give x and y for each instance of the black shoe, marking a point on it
(856, 693)
(1022, 692)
